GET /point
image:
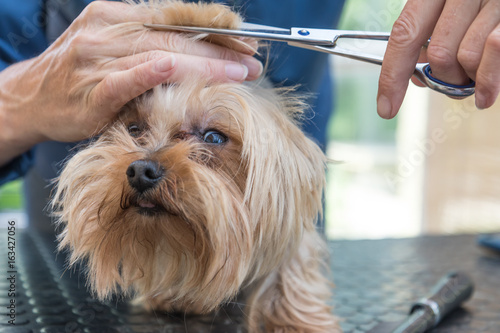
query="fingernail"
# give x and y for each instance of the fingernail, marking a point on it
(384, 106)
(165, 64)
(480, 100)
(236, 72)
(254, 66)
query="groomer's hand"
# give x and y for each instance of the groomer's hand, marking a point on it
(465, 45)
(81, 81)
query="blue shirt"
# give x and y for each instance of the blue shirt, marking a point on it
(23, 35)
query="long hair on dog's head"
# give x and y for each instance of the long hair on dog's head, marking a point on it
(240, 183)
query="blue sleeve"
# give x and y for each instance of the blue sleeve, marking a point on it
(17, 167)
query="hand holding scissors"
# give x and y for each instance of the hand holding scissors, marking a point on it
(465, 44)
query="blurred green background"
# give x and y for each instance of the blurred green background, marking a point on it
(11, 196)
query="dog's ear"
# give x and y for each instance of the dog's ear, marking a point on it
(286, 170)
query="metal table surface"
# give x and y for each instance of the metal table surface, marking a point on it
(376, 281)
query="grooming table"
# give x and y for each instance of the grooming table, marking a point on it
(376, 281)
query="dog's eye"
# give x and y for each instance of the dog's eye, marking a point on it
(214, 137)
(134, 130)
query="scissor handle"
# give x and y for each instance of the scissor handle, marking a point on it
(423, 73)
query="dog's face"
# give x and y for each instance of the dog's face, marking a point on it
(194, 192)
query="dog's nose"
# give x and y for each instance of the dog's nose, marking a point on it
(144, 174)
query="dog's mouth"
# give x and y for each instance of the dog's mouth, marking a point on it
(147, 207)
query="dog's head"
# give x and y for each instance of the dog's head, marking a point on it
(196, 189)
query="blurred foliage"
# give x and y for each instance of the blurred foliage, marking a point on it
(11, 196)
(371, 15)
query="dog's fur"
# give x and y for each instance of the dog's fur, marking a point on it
(227, 217)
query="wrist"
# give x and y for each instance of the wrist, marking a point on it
(12, 141)
(18, 133)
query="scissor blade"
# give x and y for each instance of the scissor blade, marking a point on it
(261, 34)
(296, 35)
(263, 28)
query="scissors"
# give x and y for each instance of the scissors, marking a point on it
(325, 40)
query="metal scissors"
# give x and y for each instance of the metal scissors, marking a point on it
(325, 40)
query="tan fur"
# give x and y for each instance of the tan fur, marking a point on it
(238, 216)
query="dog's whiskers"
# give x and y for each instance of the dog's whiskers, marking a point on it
(124, 200)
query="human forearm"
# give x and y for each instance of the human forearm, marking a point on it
(19, 130)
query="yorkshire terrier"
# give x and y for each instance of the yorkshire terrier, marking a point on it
(200, 192)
